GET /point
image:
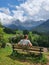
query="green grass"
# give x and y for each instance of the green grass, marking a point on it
(7, 36)
(5, 59)
(20, 59)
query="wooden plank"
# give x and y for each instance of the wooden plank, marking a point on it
(21, 51)
(17, 49)
(38, 49)
(27, 49)
(17, 46)
(35, 52)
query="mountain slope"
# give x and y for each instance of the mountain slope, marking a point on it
(44, 27)
(27, 25)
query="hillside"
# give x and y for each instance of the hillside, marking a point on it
(44, 27)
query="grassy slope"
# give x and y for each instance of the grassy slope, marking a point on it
(5, 57)
(8, 35)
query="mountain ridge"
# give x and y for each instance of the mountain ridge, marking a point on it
(27, 25)
(44, 27)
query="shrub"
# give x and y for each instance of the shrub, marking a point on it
(25, 32)
(3, 44)
(16, 39)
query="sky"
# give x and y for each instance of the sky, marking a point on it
(23, 10)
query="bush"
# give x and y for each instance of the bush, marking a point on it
(2, 43)
(9, 31)
(25, 32)
(16, 38)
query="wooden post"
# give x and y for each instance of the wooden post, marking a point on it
(40, 51)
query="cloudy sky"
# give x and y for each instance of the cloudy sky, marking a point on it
(23, 10)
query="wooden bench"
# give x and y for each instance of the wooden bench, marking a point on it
(22, 48)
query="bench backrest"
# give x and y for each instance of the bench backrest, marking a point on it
(25, 47)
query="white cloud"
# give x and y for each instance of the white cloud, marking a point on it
(5, 10)
(5, 16)
(32, 9)
(5, 19)
(46, 5)
(19, 15)
(12, 6)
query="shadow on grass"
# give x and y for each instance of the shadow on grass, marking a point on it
(28, 57)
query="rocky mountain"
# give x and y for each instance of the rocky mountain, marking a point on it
(27, 25)
(44, 27)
